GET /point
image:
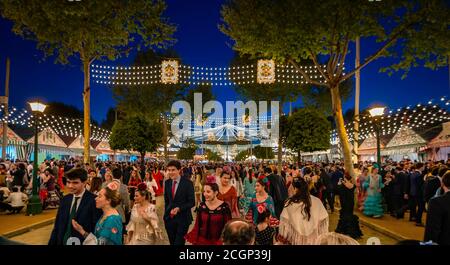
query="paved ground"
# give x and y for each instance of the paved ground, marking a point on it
(40, 236)
(10, 225)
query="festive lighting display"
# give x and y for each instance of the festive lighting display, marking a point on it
(170, 72)
(61, 125)
(418, 117)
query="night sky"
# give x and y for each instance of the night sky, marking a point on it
(199, 43)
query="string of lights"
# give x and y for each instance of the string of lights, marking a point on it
(417, 117)
(70, 127)
(199, 75)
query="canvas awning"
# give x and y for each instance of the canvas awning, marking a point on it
(400, 150)
(51, 149)
(79, 152)
(443, 139)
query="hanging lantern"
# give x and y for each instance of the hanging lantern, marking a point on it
(266, 72)
(241, 135)
(211, 136)
(246, 119)
(169, 72)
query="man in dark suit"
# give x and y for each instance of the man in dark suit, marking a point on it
(400, 192)
(327, 191)
(78, 205)
(415, 194)
(437, 227)
(277, 190)
(336, 175)
(179, 199)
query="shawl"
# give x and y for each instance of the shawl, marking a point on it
(296, 229)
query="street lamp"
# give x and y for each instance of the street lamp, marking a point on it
(377, 112)
(35, 205)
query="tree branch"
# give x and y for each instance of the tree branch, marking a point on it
(344, 54)
(316, 63)
(304, 74)
(377, 53)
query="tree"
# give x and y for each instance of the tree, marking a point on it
(213, 156)
(205, 90)
(261, 152)
(319, 98)
(309, 131)
(413, 32)
(242, 155)
(187, 151)
(136, 134)
(110, 120)
(89, 30)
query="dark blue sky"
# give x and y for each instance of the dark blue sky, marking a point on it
(199, 43)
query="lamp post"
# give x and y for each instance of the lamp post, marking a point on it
(377, 112)
(35, 205)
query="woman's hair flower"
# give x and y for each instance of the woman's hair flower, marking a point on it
(142, 186)
(113, 186)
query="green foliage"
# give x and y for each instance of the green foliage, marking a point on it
(309, 131)
(137, 134)
(318, 97)
(108, 123)
(205, 90)
(89, 29)
(242, 155)
(186, 153)
(293, 30)
(263, 152)
(213, 156)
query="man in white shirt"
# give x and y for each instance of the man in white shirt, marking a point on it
(15, 201)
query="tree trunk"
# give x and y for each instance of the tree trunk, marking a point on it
(87, 111)
(164, 140)
(343, 138)
(299, 158)
(280, 142)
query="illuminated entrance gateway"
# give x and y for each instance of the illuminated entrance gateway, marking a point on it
(241, 127)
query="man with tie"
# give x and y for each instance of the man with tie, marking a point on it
(78, 205)
(179, 199)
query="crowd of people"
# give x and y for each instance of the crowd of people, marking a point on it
(115, 202)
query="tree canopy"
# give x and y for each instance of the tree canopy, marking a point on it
(309, 131)
(89, 30)
(136, 134)
(261, 152)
